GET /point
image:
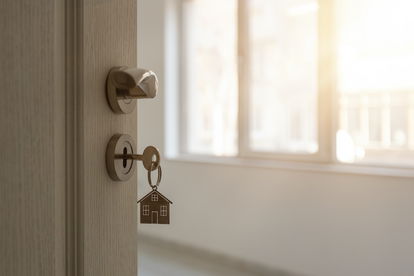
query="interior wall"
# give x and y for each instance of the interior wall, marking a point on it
(311, 223)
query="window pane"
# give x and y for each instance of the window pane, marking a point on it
(283, 75)
(375, 80)
(210, 49)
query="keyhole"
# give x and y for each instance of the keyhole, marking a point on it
(124, 161)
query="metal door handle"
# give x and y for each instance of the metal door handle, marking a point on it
(125, 84)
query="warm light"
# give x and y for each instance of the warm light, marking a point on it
(375, 79)
(303, 8)
(375, 45)
(271, 49)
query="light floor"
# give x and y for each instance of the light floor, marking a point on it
(156, 260)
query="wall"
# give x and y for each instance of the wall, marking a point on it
(304, 221)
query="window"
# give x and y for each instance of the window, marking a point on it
(146, 210)
(375, 81)
(298, 79)
(163, 210)
(211, 74)
(281, 75)
(154, 197)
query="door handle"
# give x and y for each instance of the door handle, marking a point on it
(125, 84)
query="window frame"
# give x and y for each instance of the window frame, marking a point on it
(163, 210)
(145, 210)
(327, 98)
(326, 116)
(154, 197)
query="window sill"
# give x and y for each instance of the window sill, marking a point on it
(336, 168)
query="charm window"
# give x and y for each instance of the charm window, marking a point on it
(163, 211)
(146, 210)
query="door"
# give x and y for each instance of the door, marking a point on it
(107, 37)
(61, 213)
(154, 217)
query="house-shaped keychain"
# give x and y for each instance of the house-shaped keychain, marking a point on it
(155, 208)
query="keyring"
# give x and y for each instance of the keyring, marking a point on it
(154, 187)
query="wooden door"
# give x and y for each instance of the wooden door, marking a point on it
(107, 226)
(61, 214)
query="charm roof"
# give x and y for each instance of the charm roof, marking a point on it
(158, 193)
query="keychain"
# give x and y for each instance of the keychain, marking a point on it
(154, 207)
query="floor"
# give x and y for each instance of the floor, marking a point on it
(156, 260)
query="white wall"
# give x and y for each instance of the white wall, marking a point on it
(314, 223)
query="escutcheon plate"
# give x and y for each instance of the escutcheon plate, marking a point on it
(120, 169)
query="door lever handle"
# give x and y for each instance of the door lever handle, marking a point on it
(125, 84)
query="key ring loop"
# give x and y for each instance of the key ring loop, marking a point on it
(154, 187)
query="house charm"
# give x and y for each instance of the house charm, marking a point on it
(155, 208)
